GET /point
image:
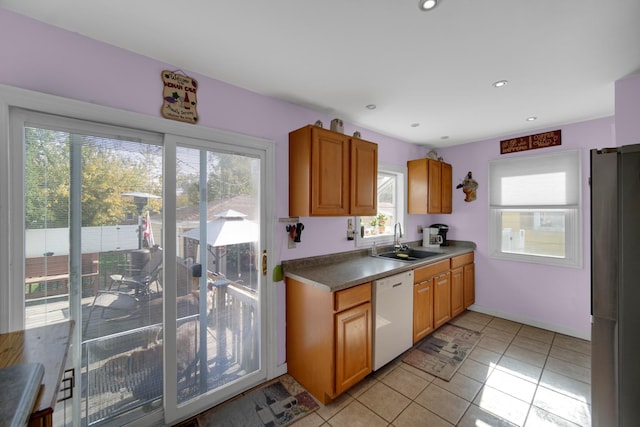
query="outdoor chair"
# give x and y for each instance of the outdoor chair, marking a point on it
(141, 285)
(125, 304)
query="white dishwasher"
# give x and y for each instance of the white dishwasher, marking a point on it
(393, 314)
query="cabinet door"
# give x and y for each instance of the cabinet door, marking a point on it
(422, 310)
(469, 285)
(430, 184)
(329, 173)
(353, 346)
(434, 195)
(364, 178)
(417, 186)
(441, 299)
(457, 286)
(446, 186)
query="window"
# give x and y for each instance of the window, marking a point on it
(391, 210)
(535, 209)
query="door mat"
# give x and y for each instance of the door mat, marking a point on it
(442, 352)
(277, 404)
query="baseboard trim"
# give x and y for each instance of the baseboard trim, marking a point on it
(531, 322)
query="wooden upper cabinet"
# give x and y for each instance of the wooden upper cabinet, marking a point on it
(446, 188)
(331, 174)
(434, 187)
(364, 178)
(430, 185)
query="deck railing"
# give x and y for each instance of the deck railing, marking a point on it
(123, 371)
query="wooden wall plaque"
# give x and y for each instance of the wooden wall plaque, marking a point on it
(531, 142)
(179, 100)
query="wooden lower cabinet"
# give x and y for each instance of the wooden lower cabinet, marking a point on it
(469, 287)
(463, 271)
(422, 309)
(441, 291)
(353, 346)
(457, 291)
(329, 337)
(441, 299)
(428, 298)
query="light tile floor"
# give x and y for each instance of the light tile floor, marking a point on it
(517, 375)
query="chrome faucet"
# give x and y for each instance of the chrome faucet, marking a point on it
(397, 234)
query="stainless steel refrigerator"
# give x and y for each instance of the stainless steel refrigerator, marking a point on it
(615, 286)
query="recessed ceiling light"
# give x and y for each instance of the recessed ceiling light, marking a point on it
(371, 106)
(427, 4)
(500, 83)
(415, 125)
(531, 119)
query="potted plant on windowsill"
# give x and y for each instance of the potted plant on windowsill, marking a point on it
(373, 223)
(382, 219)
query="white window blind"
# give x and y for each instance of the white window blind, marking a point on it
(545, 180)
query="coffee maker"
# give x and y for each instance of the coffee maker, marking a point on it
(442, 231)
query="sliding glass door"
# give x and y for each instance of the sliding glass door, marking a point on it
(218, 240)
(153, 245)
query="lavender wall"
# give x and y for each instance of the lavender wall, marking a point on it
(553, 297)
(40, 57)
(628, 110)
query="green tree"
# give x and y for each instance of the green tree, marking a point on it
(228, 176)
(46, 178)
(109, 169)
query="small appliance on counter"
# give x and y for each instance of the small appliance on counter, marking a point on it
(431, 237)
(441, 231)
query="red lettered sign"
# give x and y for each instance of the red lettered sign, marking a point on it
(531, 142)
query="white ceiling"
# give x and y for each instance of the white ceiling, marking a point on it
(561, 57)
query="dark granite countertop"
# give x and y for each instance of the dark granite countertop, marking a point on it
(346, 269)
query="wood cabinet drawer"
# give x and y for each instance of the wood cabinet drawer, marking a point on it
(351, 297)
(461, 260)
(423, 273)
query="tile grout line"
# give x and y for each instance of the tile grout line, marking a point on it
(512, 341)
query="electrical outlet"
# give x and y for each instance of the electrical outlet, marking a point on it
(419, 229)
(350, 224)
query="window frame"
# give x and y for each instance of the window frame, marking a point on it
(573, 211)
(400, 174)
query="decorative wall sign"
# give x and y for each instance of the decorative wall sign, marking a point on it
(531, 142)
(179, 97)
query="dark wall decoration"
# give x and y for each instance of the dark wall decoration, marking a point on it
(531, 142)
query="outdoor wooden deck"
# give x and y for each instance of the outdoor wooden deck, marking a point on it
(122, 351)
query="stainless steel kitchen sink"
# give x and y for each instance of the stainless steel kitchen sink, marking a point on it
(411, 255)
